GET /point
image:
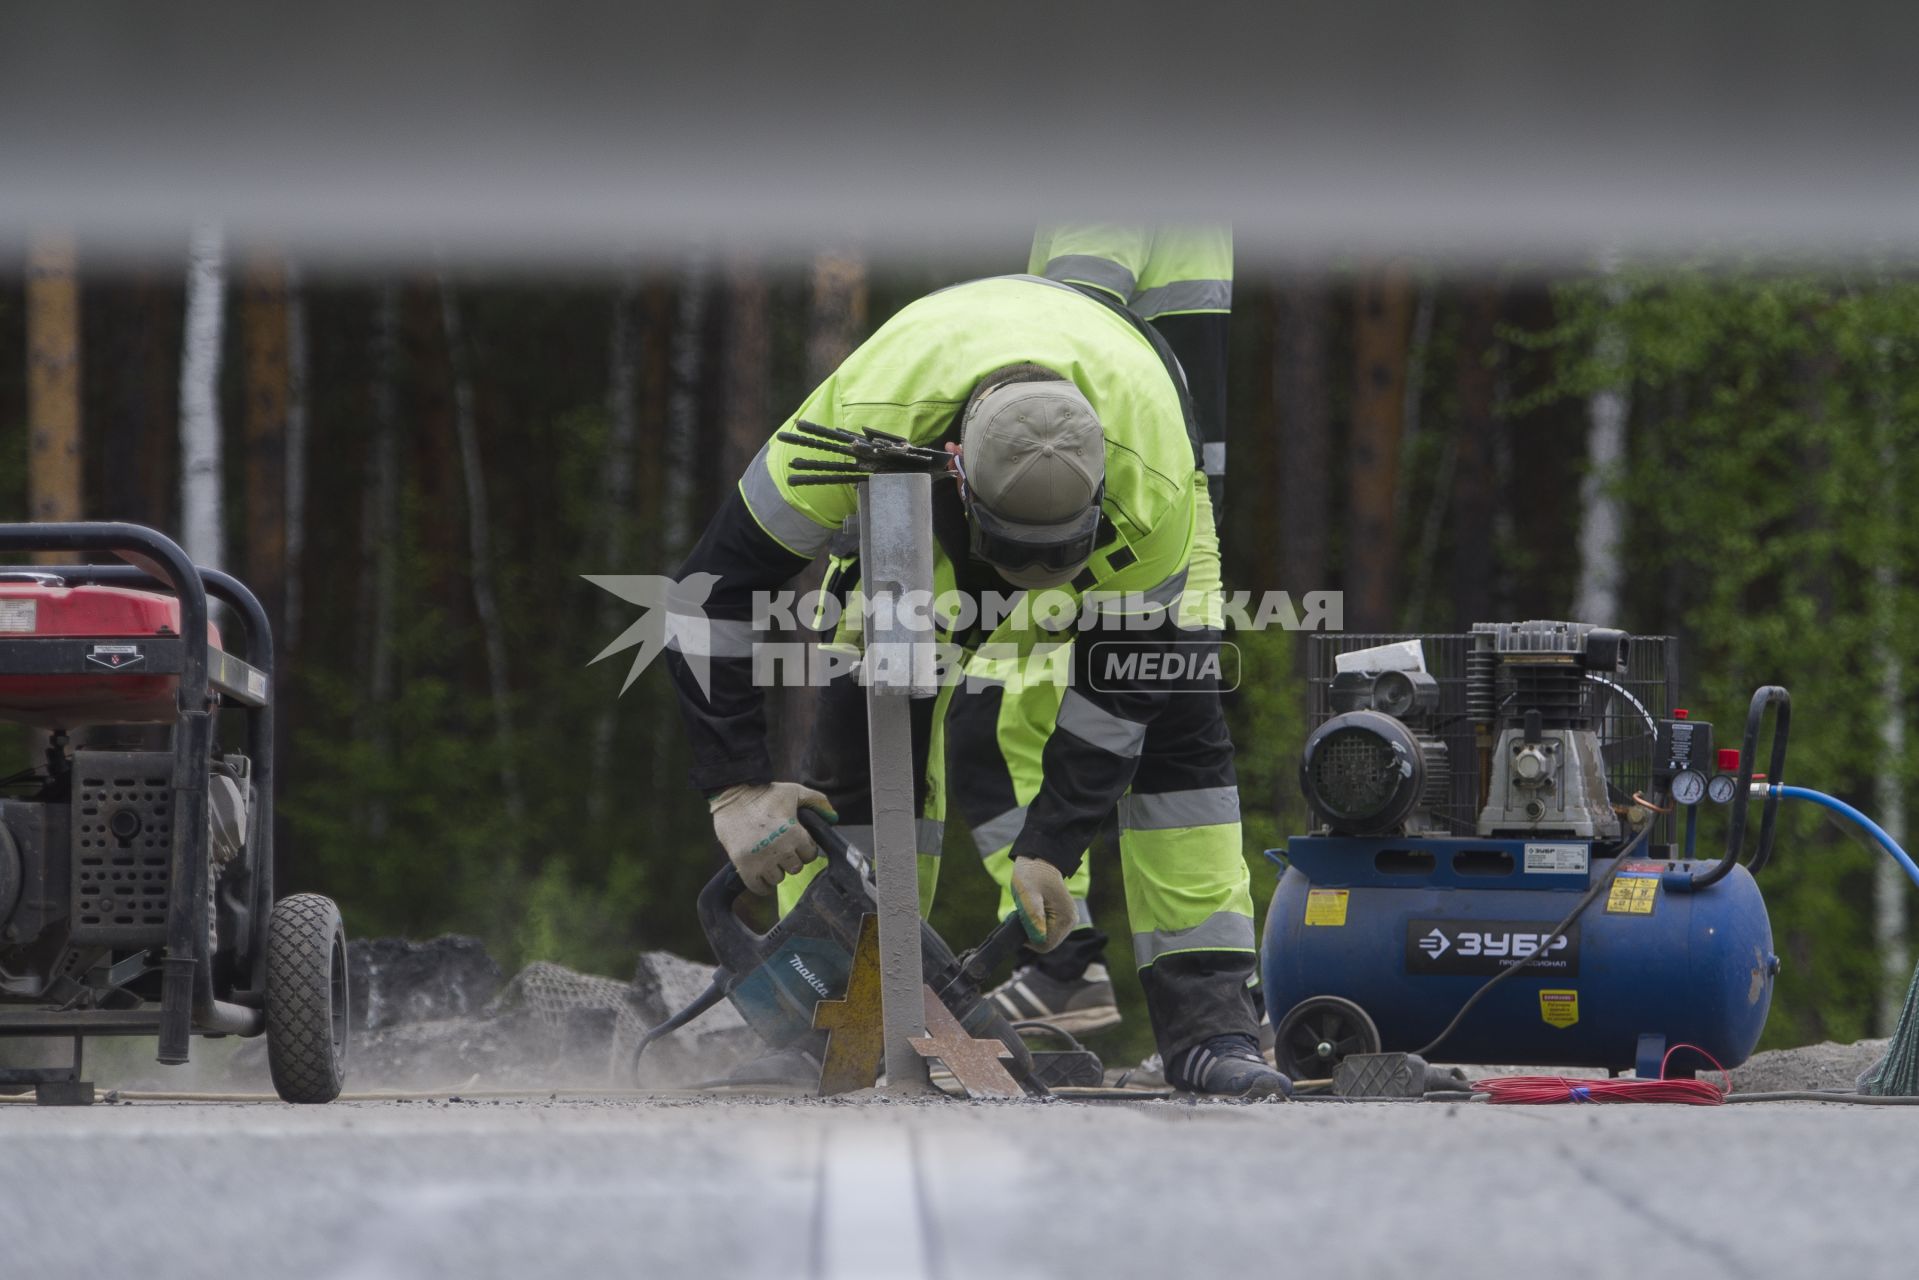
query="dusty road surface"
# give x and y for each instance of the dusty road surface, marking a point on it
(627, 1187)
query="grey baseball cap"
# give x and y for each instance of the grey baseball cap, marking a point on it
(1035, 461)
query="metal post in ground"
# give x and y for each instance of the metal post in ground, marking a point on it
(896, 560)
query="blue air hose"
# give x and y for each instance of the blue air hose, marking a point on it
(1839, 806)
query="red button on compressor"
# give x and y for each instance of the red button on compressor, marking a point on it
(1729, 760)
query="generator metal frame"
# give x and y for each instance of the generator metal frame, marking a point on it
(194, 1000)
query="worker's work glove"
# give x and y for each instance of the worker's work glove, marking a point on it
(1045, 905)
(760, 828)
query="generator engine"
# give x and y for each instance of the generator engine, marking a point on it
(85, 866)
(1495, 872)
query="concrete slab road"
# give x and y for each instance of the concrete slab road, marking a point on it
(656, 1188)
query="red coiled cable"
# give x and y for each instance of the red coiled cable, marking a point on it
(1537, 1090)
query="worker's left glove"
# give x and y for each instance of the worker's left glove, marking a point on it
(1045, 905)
(760, 828)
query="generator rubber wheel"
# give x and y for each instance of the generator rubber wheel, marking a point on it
(1319, 1033)
(307, 999)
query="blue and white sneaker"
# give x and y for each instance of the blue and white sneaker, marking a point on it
(1078, 1007)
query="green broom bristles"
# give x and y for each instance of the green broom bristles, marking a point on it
(1897, 1074)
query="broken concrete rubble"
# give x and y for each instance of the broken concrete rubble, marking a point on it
(704, 1049)
(1823, 1066)
(396, 980)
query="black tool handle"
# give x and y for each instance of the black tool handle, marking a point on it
(999, 946)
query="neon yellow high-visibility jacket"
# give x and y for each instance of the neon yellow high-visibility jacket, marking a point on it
(912, 378)
(1179, 277)
(1156, 270)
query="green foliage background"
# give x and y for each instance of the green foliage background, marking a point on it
(1771, 470)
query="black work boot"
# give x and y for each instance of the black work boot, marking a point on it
(1228, 1067)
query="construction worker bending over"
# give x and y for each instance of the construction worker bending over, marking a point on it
(1179, 278)
(1056, 405)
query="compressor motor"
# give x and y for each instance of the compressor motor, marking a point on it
(1537, 697)
(1495, 873)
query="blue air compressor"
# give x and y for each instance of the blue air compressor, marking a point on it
(1496, 873)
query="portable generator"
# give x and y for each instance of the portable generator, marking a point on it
(1494, 874)
(136, 860)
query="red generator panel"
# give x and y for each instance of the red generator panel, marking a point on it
(115, 630)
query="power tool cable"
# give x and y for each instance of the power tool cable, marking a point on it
(1586, 899)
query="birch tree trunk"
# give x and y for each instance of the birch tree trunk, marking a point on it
(1602, 522)
(1889, 884)
(485, 603)
(202, 517)
(1379, 398)
(54, 473)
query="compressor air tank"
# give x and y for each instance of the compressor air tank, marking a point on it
(1409, 929)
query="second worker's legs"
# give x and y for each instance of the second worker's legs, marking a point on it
(996, 730)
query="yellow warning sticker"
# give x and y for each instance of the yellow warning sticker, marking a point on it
(1633, 896)
(1559, 1008)
(1326, 906)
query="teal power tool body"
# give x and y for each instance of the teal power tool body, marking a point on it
(776, 978)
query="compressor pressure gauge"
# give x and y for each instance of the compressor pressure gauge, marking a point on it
(1723, 788)
(1689, 786)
